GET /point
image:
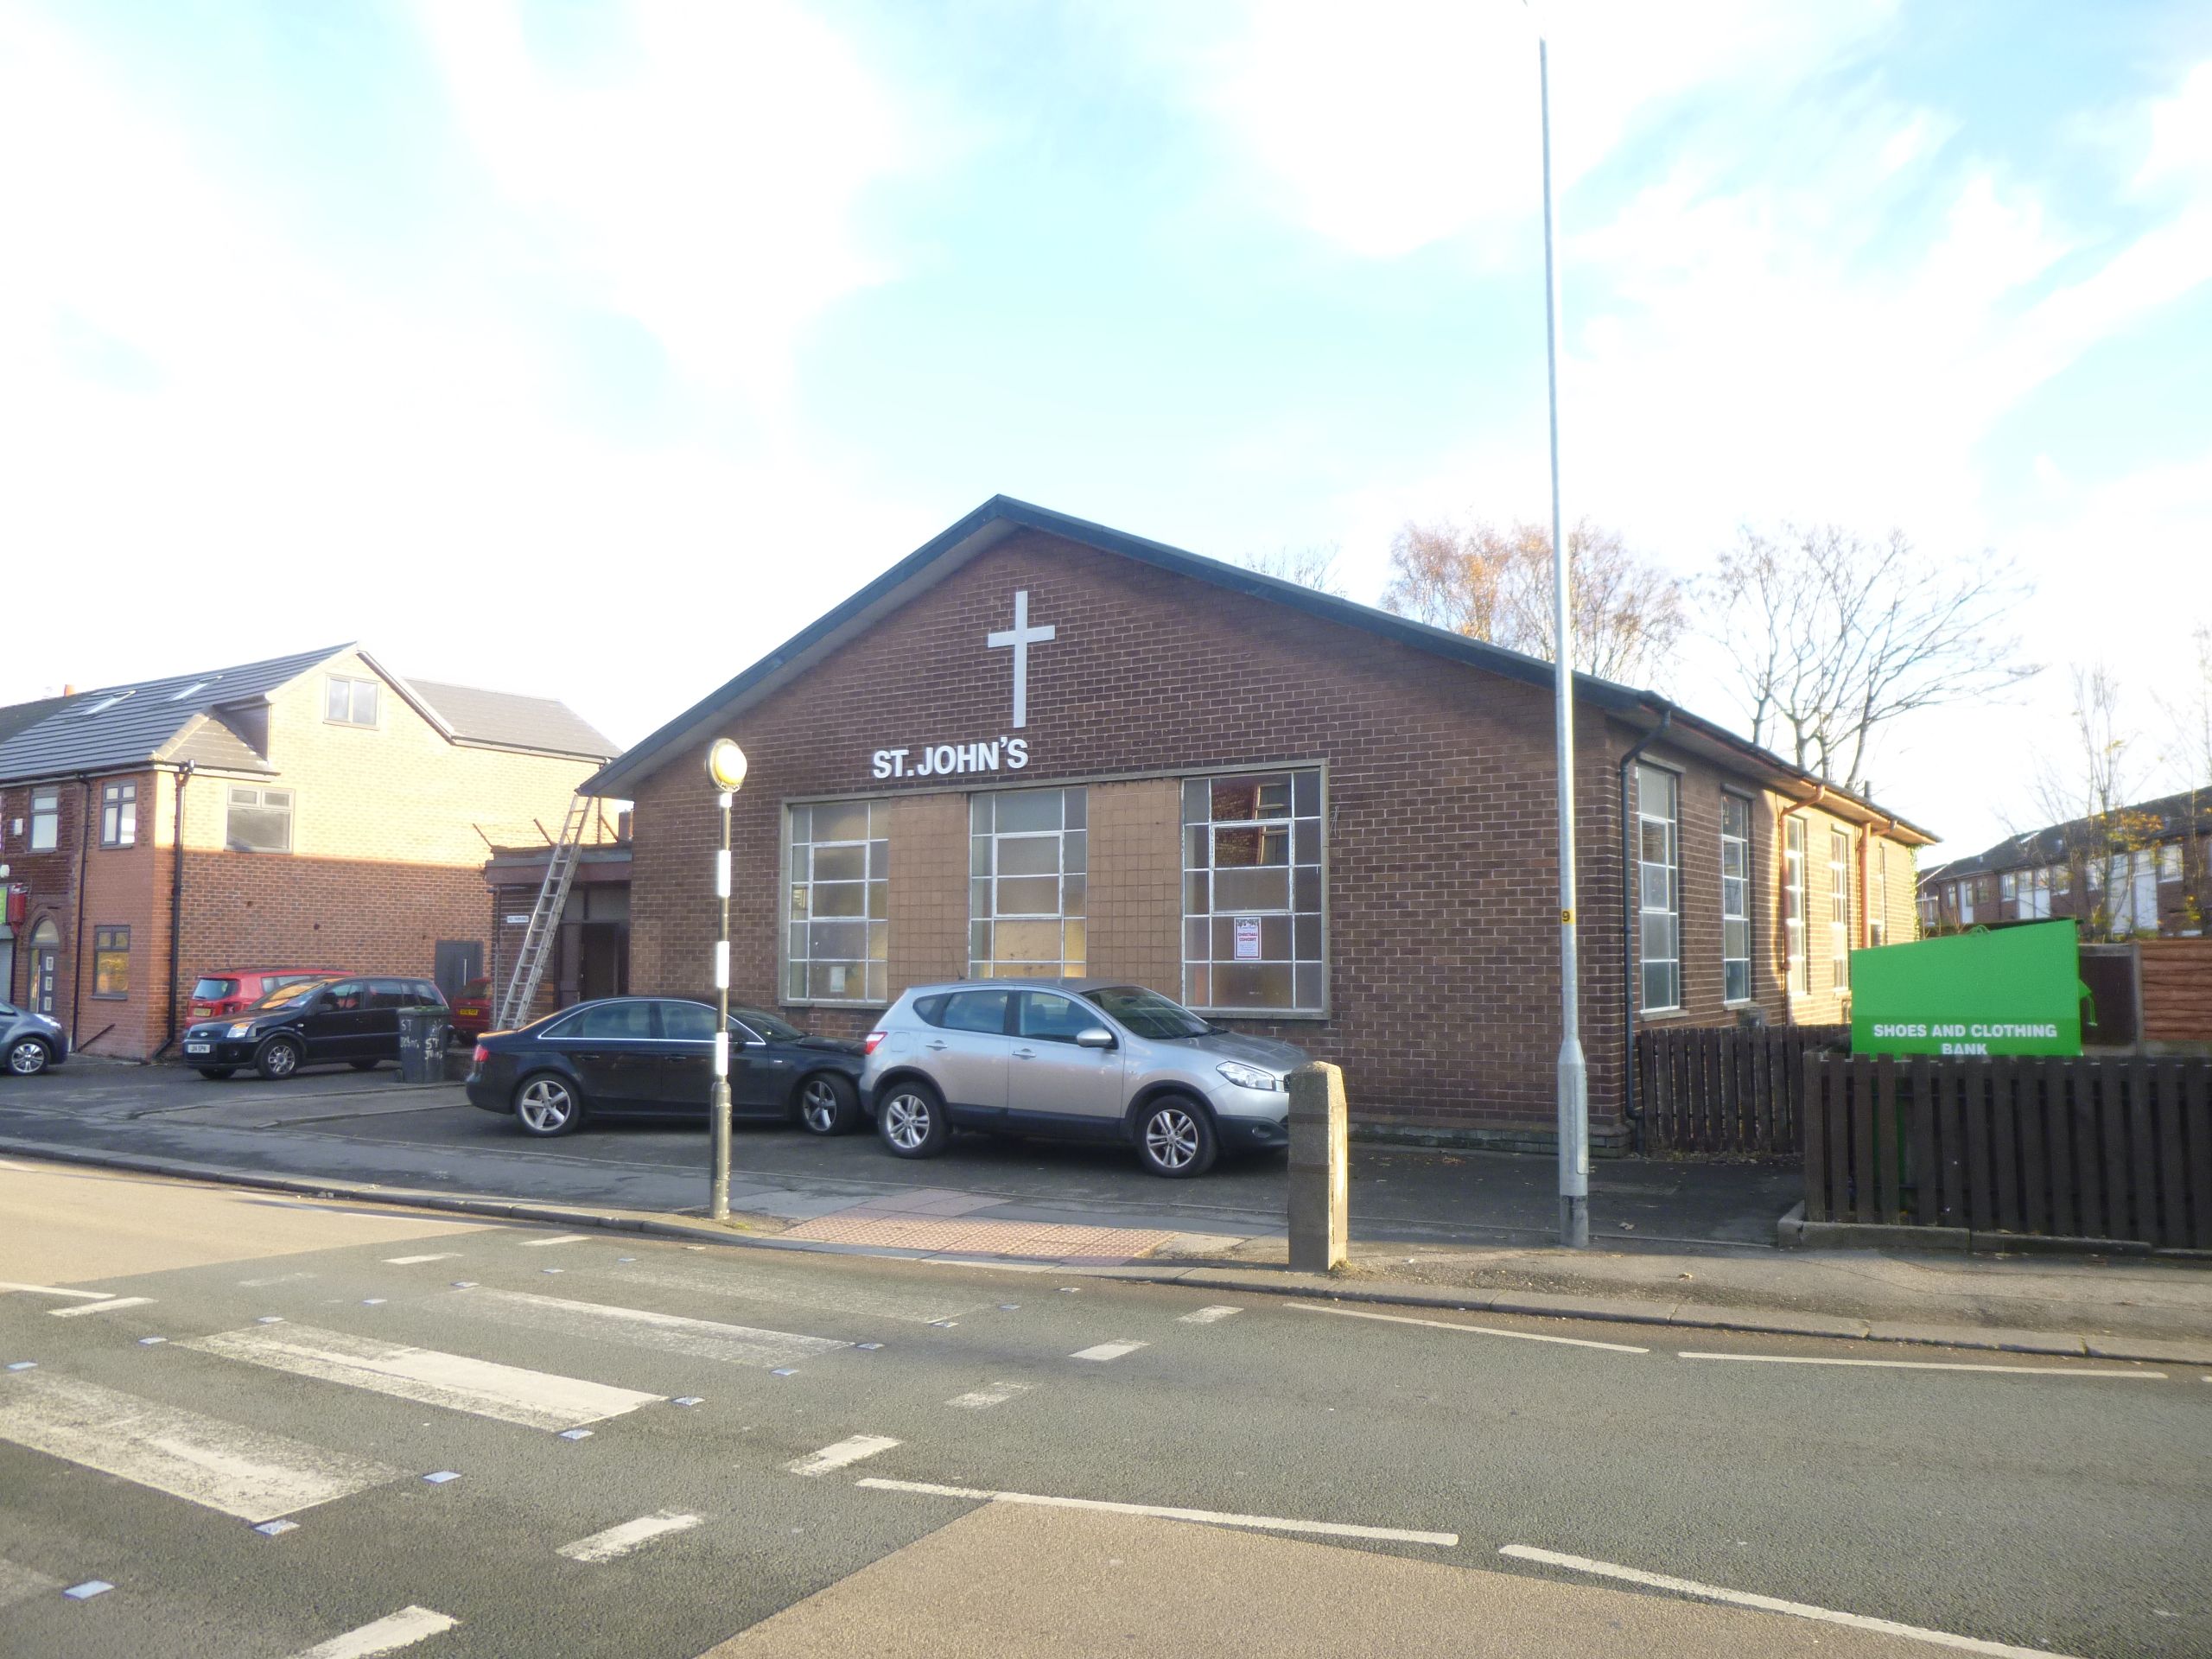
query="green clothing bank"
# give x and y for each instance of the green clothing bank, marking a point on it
(2016, 990)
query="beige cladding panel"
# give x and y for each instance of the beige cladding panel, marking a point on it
(1136, 889)
(928, 889)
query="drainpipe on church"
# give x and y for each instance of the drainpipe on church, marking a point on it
(1631, 909)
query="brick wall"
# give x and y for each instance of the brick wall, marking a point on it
(1442, 889)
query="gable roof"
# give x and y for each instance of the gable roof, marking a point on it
(205, 718)
(512, 722)
(1003, 516)
(2168, 817)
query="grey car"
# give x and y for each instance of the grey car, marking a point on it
(30, 1042)
(1078, 1060)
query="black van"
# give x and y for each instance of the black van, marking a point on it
(353, 1021)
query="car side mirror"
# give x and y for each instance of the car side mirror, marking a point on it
(1095, 1037)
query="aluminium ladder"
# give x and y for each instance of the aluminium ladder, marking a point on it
(544, 917)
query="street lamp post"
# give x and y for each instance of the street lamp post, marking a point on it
(1573, 1071)
(726, 766)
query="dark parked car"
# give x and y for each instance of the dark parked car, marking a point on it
(353, 1021)
(653, 1057)
(30, 1042)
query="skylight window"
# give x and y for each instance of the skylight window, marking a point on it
(103, 705)
(195, 687)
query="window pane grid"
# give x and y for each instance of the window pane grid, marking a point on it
(837, 929)
(1252, 928)
(1839, 908)
(1028, 859)
(1793, 903)
(1659, 885)
(1735, 899)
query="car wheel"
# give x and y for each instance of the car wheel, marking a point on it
(828, 1103)
(28, 1058)
(547, 1105)
(911, 1118)
(217, 1073)
(1175, 1138)
(365, 1065)
(279, 1057)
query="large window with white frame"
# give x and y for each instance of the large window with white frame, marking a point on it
(1793, 904)
(1878, 902)
(1028, 861)
(1839, 909)
(1252, 932)
(837, 926)
(1658, 861)
(1735, 899)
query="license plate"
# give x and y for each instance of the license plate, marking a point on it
(198, 1048)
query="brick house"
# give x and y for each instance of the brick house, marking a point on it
(1039, 746)
(316, 811)
(2144, 868)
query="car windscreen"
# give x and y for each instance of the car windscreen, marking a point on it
(292, 995)
(767, 1025)
(214, 990)
(1148, 1012)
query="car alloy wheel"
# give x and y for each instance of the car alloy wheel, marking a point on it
(821, 1108)
(279, 1057)
(1176, 1140)
(545, 1106)
(912, 1124)
(28, 1058)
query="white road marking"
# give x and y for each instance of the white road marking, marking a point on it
(995, 1394)
(417, 1261)
(1769, 1603)
(1465, 1330)
(815, 1296)
(57, 1290)
(1919, 1365)
(557, 1238)
(279, 1279)
(388, 1635)
(839, 1456)
(247, 1472)
(508, 1393)
(734, 1345)
(1213, 1517)
(112, 1303)
(21, 1583)
(1208, 1315)
(620, 1540)
(1106, 1351)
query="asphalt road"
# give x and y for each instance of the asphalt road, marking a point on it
(316, 1362)
(346, 1126)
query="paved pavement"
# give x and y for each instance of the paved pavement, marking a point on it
(788, 1454)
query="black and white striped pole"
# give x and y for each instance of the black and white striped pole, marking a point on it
(726, 766)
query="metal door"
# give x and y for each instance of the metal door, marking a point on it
(615, 1050)
(966, 1056)
(336, 1027)
(1050, 1076)
(456, 963)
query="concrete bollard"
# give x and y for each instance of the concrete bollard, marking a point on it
(1320, 1169)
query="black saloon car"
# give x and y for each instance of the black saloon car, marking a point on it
(653, 1057)
(350, 1020)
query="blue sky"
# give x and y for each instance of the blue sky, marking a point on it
(390, 321)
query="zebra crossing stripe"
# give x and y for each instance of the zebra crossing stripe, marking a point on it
(480, 1386)
(388, 1635)
(248, 1472)
(630, 1535)
(735, 1344)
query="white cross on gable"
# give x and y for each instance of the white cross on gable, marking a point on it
(1021, 636)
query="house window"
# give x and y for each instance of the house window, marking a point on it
(2169, 862)
(2008, 885)
(1658, 804)
(111, 962)
(2036, 889)
(1736, 898)
(46, 820)
(1839, 909)
(1793, 904)
(1252, 893)
(2061, 879)
(118, 815)
(837, 933)
(1878, 905)
(350, 703)
(260, 820)
(1966, 903)
(1027, 859)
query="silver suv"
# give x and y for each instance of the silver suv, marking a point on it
(1079, 1059)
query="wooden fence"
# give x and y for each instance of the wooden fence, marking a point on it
(2117, 1148)
(1729, 1089)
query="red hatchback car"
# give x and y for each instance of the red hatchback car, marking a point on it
(472, 1010)
(233, 990)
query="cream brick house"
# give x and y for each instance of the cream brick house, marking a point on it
(316, 811)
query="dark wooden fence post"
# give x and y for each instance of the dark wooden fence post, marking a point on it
(1812, 1108)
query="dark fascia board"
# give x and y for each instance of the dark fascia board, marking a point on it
(1002, 515)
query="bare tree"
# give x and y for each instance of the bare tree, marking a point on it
(1313, 566)
(2087, 788)
(1832, 637)
(1496, 584)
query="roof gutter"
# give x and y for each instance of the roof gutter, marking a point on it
(1629, 1109)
